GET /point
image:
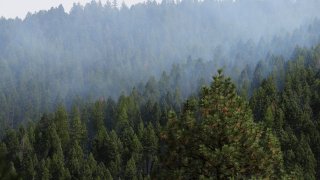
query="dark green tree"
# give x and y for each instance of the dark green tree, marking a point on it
(98, 117)
(150, 148)
(43, 171)
(78, 131)
(7, 170)
(216, 137)
(131, 170)
(62, 125)
(75, 160)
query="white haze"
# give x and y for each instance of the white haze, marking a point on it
(20, 8)
(97, 50)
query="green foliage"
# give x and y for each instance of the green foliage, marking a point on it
(75, 160)
(101, 145)
(216, 137)
(145, 135)
(7, 170)
(62, 126)
(54, 57)
(131, 170)
(43, 171)
(98, 117)
(78, 131)
(292, 112)
(150, 147)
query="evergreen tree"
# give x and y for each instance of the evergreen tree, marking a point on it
(12, 147)
(62, 125)
(98, 117)
(131, 170)
(122, 115)
(216, 137)
(100, 146)
(78, 131)
(150, 147)
(75, 161)
(114, 152)
(130, 143)
(90, 168)
(29, 159)
(43, 171)
(7, 170)
(57, 167)
(42, 143)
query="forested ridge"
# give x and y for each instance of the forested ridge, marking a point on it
(217, 133)
(171, 90)
(99, 51)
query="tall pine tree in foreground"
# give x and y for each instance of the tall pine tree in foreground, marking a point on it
(216, 137)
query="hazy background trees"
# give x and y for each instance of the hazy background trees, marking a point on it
(97, 50)
(101, 79)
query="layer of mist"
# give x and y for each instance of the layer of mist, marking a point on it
(98, 50)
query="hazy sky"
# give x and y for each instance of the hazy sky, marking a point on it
(14, 8)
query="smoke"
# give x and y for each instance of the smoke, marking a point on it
(98, 50)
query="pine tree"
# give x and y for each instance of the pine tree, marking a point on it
(90, 168)
(140, 129)
(78, 131)
(7, 170)
(115, 151)
(216, 137)
(29, 159)
(102, 172)
(305, 157)
(75, 160)
(136, 148)
(12, 145)
(122, 115)
(43, 171)
(98, 116)
(100, 146)
(150, 147)
(44, 132)
(130, 143)
(131, 170)
(57, 166)
(62, 125)
(108, 175)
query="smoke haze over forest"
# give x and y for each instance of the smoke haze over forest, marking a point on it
(17, 8)
(177, 89)
(98, 50)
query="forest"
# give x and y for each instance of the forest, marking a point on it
(171, 90)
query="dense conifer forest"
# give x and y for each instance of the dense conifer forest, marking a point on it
(89, 95)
